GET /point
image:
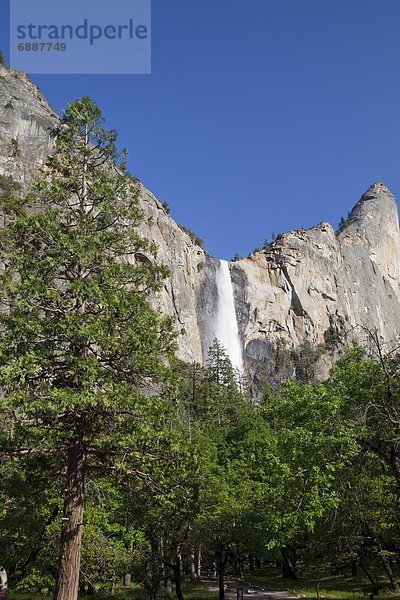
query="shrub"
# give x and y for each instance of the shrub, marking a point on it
(195, 238)
(166, 207)
(15, 149)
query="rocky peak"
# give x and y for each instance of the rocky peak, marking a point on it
(374, 224)
(376, 208)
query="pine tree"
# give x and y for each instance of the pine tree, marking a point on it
(79, 340)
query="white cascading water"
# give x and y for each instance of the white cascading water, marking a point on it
(225, 325)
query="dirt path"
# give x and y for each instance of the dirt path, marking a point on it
(250, 592)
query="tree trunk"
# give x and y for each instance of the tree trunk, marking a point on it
(168, 587)
(221, 584)
(238, 567)
(389, 570)
(288, 565)
(198, 565)
(3, 579)
(176, 569)
(67, 585)
(221, 562)
(178, 585)
(178, 577)
(179, 562)
(91, 590)
(128, 576)
(193, 576)
(354, 568)
(251, 562)
(41, 541)
(370, 579)
(394, 461)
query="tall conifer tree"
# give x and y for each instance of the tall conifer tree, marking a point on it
(79, 341)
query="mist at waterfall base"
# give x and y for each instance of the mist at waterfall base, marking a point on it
(225, 325)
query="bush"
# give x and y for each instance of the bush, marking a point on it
(15, 149)
(166, 207)
(1, 58)
(305, 358)
(195, 238)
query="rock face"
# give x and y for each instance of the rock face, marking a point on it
(313, 285)
(25, 123)
(186, 262)
(323, 287)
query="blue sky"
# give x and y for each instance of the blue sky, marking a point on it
(259, 116)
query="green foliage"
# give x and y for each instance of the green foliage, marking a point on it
(370, 387)
(79, 314)
(195, 238)
(15, 149)
(267, 242)
(30, 505)
(2, 60)
(107, 535)
(305, 358)
(312, 447)
(236, 460)
(332, 338)
(166, 207)
(337, 440)
(293, 473)
(79, 341)
(8, 188)
(343, 223)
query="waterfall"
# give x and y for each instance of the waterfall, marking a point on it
(225, 323)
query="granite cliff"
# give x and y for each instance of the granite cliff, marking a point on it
(312, 285)
(26, 119)
(323, 287)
